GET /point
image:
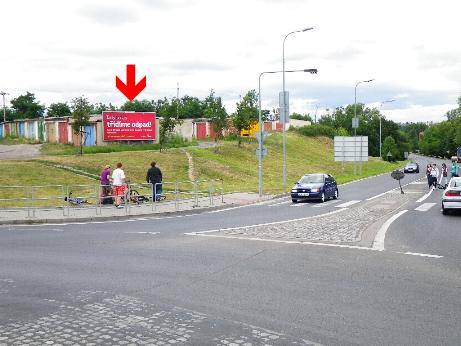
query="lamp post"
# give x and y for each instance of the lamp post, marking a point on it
(260, 145)
(284, 146)
(4, 109)
(355, 117)
(380, 127)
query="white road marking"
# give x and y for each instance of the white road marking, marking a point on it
(151, 233)
(395, 188)
(343, 246)
(280, 203)
(425, 196)
(418, 183)
(328, 203)
(347, 204)
(425, 206)
(378, 243)
(421, 254)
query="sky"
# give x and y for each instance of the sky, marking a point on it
(59, 50)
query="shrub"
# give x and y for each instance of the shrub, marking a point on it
(317, 131)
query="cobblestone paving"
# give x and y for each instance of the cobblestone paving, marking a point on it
(345, 225)
(98, 318)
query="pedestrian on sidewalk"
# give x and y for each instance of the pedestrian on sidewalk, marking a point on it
(154, 177)
(428, 175)
(445, 174)
(434, 175)
(104, 179)
(118, 181)
(454, 169)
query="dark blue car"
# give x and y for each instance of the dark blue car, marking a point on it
(318, 186)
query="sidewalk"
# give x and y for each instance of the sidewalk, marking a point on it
(103, 213)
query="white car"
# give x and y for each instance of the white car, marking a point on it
(451, 198)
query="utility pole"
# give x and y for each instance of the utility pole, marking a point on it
(4, 107)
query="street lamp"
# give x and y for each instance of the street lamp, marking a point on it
(355, 119)
(380, 127)
(260, 145)
(4, 109)
(284, 145)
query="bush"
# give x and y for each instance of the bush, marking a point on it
(317, 131)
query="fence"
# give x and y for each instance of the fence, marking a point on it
(100, 199)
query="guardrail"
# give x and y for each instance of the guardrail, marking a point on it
(99, 197)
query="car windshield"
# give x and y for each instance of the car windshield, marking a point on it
(411, 165)
(311, 179)
(456, 183)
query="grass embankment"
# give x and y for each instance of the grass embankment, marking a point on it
(10, 140)
(238, 167)
(31, 173)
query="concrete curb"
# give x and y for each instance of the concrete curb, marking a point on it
(127, 217)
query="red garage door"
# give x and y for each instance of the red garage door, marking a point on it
(63, 133)
(201, 130)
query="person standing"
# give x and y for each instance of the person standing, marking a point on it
(154, 177)
(445, 174)
(118, 181)
(104, 179)
(434, 175)
(428, 175)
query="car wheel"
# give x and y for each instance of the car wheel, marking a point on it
(336, 195)
(294, 200)
(322, 198)
(444, 211)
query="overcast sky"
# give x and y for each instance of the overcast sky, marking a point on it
(62, 49)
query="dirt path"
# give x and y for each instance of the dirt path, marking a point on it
(19, 151)
(190, 172)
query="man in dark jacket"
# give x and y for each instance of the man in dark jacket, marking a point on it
(154, 177)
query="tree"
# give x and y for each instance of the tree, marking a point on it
(190, 107)
(139, 106)
(454, 113)
(215, 111)
(26, 107)
(81, 110)
(59, 109)
(389, 146)
(167, 111)
(98, 108)
(304, 117)
(246, 114)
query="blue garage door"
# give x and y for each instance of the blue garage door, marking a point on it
(22, 129)
(30, 130)
(1, 131)
(90, 136)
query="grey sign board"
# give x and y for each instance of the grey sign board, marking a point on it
(355, 123)
(284, 104)
(264, 152)
(351, 149)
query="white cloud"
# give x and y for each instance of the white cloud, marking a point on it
(60, 50)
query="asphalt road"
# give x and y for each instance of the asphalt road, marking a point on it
(147, 282)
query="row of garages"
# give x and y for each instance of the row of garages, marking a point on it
(59, 130)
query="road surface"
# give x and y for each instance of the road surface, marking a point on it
(374, 267)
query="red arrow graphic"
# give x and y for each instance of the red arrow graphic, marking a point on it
(130, 89)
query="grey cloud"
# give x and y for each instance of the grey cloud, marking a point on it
(109, 15)
(166, 4)
(344, 54)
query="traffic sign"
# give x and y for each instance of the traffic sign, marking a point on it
(284, 104)
(264, 152)
(258, 136)
(397, 174)
(355, 123)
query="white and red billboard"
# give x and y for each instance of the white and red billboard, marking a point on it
(128, 126)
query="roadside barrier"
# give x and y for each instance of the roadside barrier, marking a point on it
(199, 193)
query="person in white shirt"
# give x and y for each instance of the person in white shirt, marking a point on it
(118, 182)
(434, 175)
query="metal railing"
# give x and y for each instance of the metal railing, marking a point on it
(98, 197)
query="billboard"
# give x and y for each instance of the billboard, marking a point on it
(351, 149)
(128, 126)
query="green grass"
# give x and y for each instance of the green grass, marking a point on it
(11, 140)
(238, 166)
(32, 173)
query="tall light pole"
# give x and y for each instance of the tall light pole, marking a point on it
(260, 145)
(284, 145)
(380, 127)
(355, 119)
(4, 109)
